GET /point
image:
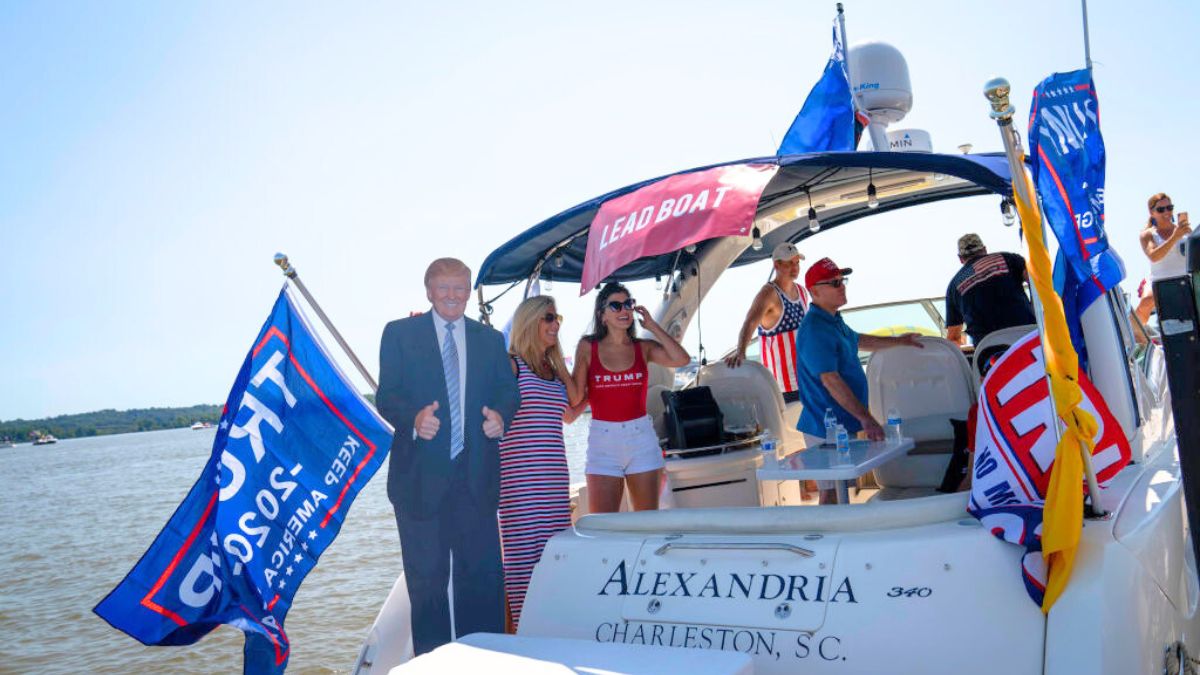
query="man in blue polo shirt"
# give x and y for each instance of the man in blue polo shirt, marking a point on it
(827, 368)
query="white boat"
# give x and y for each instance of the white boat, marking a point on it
(45, 439)
(197, 426)
(906, 582)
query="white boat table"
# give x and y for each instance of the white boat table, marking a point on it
(823, 463)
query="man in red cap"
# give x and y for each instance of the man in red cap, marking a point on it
(828, 372)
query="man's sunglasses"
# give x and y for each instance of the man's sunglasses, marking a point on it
(615, 306)
(551, 317)
(1164, 209)
(834, 283)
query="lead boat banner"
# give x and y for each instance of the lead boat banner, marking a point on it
(671, 213)
(295, 444)
(1015, 452)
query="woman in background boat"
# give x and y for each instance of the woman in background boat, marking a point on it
(1160, 242)
(535, 501)
(611, 372)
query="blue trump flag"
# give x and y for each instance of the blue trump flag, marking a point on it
(1067, 154)
(294, 446)
(826, 122)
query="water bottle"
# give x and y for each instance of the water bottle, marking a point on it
(843, 445)
(830, 427)
(893, 425)
(770, 458)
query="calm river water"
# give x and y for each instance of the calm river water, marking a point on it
(76, 516)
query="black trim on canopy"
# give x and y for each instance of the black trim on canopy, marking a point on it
(985, 173)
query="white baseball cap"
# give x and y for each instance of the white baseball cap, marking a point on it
(785, 251)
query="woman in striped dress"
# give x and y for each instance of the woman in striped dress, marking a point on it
(535, 502)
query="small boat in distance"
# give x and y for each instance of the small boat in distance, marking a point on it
(7, 442)
(44, 439)
(201, 425)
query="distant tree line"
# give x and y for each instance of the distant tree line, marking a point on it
(105, 422)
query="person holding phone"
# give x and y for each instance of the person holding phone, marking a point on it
(611, 372)
(1160, 242)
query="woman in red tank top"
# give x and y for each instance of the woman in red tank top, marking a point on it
(611, 369)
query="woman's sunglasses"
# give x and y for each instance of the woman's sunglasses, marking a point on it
(551, 317)
(615, 306)
(834, 283)
(1164, 209)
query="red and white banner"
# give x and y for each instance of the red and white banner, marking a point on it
(667, 215)
(1015, 443)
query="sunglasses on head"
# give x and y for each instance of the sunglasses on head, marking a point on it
(551, 317)
(834, 283)
(615, 306)
(1164, 209)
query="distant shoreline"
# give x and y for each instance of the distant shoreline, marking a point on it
(109, 422)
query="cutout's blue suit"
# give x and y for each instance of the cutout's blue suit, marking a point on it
(445, 506)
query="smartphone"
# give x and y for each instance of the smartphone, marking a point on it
(1183, 218)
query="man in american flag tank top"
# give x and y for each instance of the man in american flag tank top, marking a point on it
(776, 314)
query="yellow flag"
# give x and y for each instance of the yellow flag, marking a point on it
(1062, 517)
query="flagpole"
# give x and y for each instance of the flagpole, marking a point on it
(290, 273)
(1087, 43)
(997, 91)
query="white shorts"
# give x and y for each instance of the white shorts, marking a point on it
(621, 448)
(811, 441)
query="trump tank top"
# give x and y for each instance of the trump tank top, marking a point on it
(618, 396)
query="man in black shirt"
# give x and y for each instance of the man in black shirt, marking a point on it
(987, 294)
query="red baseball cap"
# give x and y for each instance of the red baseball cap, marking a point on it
(824, 270)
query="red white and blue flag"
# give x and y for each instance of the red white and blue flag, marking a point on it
(1068, 162)
(1015, 442)
(295, 444)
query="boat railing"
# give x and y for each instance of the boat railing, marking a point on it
(875, 515)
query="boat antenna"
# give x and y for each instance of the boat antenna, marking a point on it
(1087, 44)
(854, 95)
(290, 272)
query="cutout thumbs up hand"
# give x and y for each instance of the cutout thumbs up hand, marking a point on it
(427, 422)
(493, 424)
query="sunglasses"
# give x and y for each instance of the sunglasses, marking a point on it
(1164, 209)
(551, 317)
(835, 283)
(615, 306)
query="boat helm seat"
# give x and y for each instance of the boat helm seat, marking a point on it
(749, 395)
(655, 406)
(996, 343)
(929, 387)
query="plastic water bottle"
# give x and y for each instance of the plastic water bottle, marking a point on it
(843, 445)
(893, 425)
(830, 427)
(770, 458)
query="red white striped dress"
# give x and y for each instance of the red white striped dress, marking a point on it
(535, 501)
(779, 344)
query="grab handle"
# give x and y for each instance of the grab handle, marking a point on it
(735, 546)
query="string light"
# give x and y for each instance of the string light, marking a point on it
(1007, 212)
(814, 225)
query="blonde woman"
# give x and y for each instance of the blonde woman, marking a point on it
(534, 492)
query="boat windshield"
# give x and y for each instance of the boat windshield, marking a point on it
(925, 316)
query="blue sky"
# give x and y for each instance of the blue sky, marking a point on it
(157, 155)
